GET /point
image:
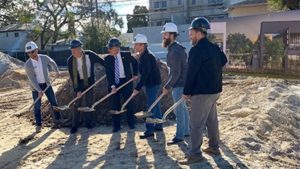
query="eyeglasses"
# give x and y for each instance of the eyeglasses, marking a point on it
(31, 52)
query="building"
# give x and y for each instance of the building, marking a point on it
(248, 8)
(14, 37)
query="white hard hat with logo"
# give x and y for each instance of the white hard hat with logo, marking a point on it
(169, 27)
(30, 46)
(140, 38)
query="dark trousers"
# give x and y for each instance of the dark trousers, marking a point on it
(85, 101)
(37, 106)
(116, 104)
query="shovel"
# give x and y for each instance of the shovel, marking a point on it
(37, 99)
(143, 114)
(123, 106)
(160, 121)
(90, 109)
(66, 107)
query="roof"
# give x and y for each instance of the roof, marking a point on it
(17, 27)
(248, 3)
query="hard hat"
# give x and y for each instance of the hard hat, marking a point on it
(75, 43)
(30, 46)
(113, 42)
(140, 38)
(169, 27)
(200, 23)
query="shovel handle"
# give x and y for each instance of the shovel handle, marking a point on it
(111, 93)
(127, 101)
(88, 89)
(172, 108)
(155, 102)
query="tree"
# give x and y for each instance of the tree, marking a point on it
(284, 4)
(274, 51)
(138, 19)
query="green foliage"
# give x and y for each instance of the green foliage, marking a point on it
(137, 20)
(274, 51)
(284, 4)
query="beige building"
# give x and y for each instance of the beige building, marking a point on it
(247, 8)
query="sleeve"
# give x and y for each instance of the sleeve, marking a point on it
(70, 70)
(96, 57)
(52, 63)
(109, 71)
(223, 58)
(32, 79)
(146, 65)
(175, 67)
(193, 67)
(135, 65)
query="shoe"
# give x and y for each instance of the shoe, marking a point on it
(212, 151)
(132, 127)
(38, 129)
(116, 130)
(145, 136)
(187, 135)
(73, 130)
(157, 129)
(174, 141)
(191, 160)
(89, 126)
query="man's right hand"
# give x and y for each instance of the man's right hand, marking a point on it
(41, 94)
(114, 90)
(79, 94)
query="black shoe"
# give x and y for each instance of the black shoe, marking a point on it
(89, 126)
(146, 136)
(174, 141)
(116, 130)
(187, 135)
(132, 127)
(73, 130)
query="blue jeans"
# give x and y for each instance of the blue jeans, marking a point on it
(182, 114)
(152, 93)
(37, 106)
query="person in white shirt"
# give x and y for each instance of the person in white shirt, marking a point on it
(36, 68)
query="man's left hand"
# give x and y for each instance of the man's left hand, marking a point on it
(165, 91)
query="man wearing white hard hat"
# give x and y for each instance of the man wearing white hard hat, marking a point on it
(36, 68)
(150, 78)
(177, 62)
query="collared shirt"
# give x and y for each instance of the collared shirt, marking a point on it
(38, 69)
(121, 66)
(88, 65)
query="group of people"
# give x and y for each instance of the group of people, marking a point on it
(196, 76)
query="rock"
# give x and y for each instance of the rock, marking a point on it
(294, 100)
(253, 146)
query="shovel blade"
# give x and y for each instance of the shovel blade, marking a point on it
(61, 108)
(143, 114)
(117, 112)
(85, 109)
(155, 120)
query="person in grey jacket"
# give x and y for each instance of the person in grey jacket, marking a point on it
(177, 62)
(36, 68)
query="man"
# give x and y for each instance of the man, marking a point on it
(118, 71)
(204, 85)
(150, 78)
(36, 68)
(81, 69)
(177, 62)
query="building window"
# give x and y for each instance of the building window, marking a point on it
(193, 2)
(158, 23)
(16, 34)
(156, 4)
(179, 2)
(164, 4)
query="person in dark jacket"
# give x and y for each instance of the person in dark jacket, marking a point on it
(151, 79)
(81, 69)
(204, 85)
(177, 62)
(120, 67)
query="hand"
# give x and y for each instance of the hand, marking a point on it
(186, 97)
(114, 90)
(135, 92)
(165, 91)
(135, 78)
(41, 94)
(79, 95)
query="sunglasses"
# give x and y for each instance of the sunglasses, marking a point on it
(31, 52)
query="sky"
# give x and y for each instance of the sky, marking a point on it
(126, 7)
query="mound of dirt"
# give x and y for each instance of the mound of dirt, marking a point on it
(65, 94)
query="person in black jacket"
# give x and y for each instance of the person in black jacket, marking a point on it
(118, 71)
(81, 69)
(204, 85)
(151, 79)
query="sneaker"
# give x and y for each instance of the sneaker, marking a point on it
(174, 141)
(73, 130)
(145, 136)
(212, 151)
(38, 129)
(191, 160)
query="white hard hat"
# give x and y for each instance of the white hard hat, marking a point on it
(140, 38)
(30, 46)
(169, 27)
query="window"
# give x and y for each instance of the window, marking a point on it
(164, 4)
(179, 2)
(156, 4)
(158, 23)
(193, 2)
(16, 34)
